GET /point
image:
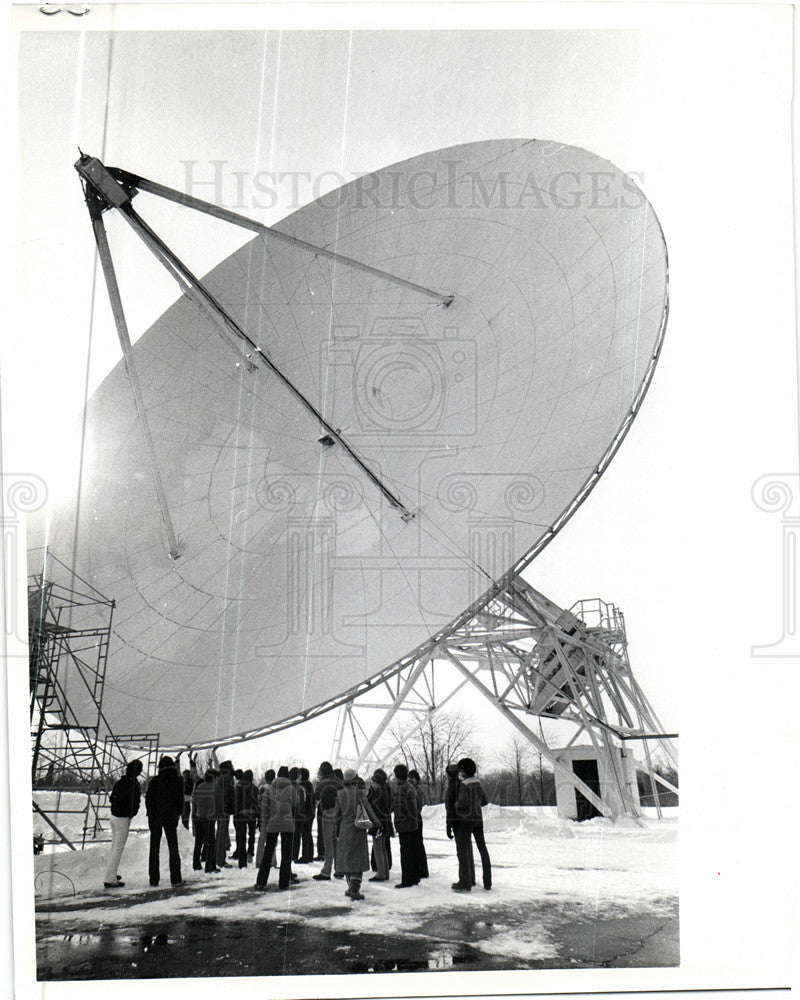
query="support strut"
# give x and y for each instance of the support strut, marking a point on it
(104, 191)
(130, 364)
(189, 201)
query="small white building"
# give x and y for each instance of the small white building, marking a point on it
(610, 774)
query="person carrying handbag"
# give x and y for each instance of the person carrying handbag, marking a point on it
(353, 816)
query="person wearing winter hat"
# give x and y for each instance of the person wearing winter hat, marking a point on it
(164, 802)
(469, 802)
(352, 852)
(125, 798)
(406, 817)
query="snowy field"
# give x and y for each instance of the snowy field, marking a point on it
(549, 875)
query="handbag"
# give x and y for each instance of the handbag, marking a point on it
(362, 820)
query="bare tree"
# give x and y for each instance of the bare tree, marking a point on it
(517, 758)
(429, 741)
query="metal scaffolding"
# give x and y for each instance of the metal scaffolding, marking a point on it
(73, 748)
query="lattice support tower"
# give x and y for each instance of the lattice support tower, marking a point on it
(528, 657)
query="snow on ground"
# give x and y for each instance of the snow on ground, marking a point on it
(601, 869)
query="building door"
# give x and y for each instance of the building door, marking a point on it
(587, 771)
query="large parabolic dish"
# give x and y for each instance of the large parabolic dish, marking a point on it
(491, 419)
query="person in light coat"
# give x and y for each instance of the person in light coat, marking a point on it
(352, 852)
(269, 777)
(206, 810)
(279, 810)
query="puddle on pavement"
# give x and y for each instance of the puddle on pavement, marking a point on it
(195, 947)
(439, 959)
(202, 946)
(149, 941)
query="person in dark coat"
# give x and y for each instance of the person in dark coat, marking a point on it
(278, 812)
(422, 856)
(225, 782)
(379, 796)
(186, 813)
(352, 853)
(126, 796)
(307, 839)
(300, 813)
(452, 819)
(320, 839)
(245, 812)
(406, 816)
(468, 805)
(164, 802)
(252, 822)
(238, 774)
(325, 793)
(206, 808)
(325, 770)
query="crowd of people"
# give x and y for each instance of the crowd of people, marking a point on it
(276, 817)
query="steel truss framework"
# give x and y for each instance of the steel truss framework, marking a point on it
(69, 629)
(527, 656)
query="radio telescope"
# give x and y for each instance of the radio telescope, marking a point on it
(337, 451)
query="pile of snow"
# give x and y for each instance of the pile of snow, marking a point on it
(67, 811)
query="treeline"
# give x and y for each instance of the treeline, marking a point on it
(506, 787)
(665, 796)
(54, 778)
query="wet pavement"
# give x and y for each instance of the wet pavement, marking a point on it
(204, 946)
